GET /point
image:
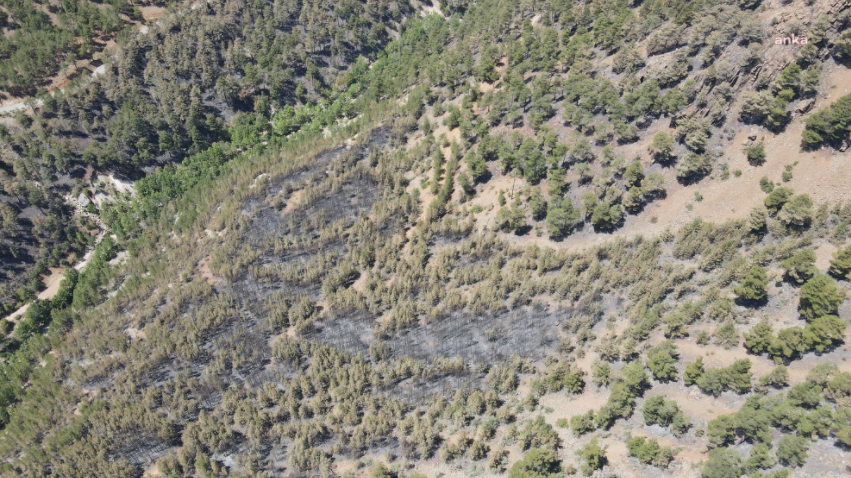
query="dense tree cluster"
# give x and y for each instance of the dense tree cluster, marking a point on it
(43, 36)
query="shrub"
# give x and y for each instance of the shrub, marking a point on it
(538, 463)
(760, 458)
(561, 219)
(829, 126)
(806, 395)
(792, 450)
(839, 389)
(601, 373)
(800, 267)
(538, 433)
(721, 430)
(510, 219)
(752, 288)
(736, 377)
(777, 199)
(692, 167)
(756, 153)
(757, 220)
(759, 338)
(840, 265)
(658, 411)
(789, 343)
(582, 424)
(726, 335)
(819, 297)
(607, 217)
(824, 333)
(722, 463)
(662, 361)
(777, 378)
(648, 451)
(693, 372)
(476, 166)
(653, 185)
(797, 213)
(756, 106)
(594, 457)
(538, 205)
(662, 147)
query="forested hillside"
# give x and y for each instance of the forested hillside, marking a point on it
(170, 93)
(42, 37)
(399, 239)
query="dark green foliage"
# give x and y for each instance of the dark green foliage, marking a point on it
(539, 434)
(601, 373)
(752, 288)
(634, 174)
(561, 219)
(635, 378)
(756, 153)
(818, 423)
(806, 395)
(693, 372)
(621, 401)
(819, 297)
(760, 458)
(788, 344)
(736, 377)
(582, 424)
(594, 457)
(607, 216)
(538, 463)
(658, 411)
(538, 205)
(721, 430)
(532, 161)
(839, 389)
(753, 423)
(758, 340)
(777, 378)
(36, 317)
(35, 45)
(800, 267)
(662, 147)
(662, 361)
(722, 463)
(510, 219)
(693, 167)
(380, 471)
(777, 199)
(830, 126)
(560, 377)
(797, 213)
(206, 345)
(843, 436)
(792, 450)
(840, 265)
(648, 451)
(824, 333)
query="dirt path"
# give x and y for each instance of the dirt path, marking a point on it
(52, 281)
